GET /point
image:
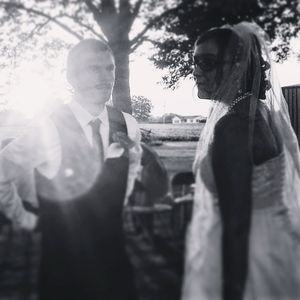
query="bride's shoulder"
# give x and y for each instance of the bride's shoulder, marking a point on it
(230, 146)
(232, 127)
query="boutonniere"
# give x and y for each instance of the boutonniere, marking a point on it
(121, 143)
(123, 139)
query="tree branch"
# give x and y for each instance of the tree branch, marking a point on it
(93, 8)
(108, 6)
(139, 42)
(8, 5)
(136, 9)
(37, 28)
(91, 29)
(153, 21)
(106, 17)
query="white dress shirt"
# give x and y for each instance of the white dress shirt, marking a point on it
(39, 148)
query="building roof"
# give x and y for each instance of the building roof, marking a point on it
(189, 117)
(290, 86)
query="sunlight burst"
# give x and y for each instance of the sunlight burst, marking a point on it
(37, 89)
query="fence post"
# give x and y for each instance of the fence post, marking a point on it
(292, 96)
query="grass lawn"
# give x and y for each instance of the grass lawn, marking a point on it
(173, 132)
(178, 146)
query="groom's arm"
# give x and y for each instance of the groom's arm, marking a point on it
(37, 149)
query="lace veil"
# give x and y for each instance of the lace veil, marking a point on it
(250, 47)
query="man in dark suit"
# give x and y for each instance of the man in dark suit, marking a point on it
(84, 159)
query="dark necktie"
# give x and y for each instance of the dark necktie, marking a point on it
(97, 139)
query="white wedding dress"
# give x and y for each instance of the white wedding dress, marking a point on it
(274, 253)
(274, 241)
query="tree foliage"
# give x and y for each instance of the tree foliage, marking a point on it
(172, 26)
(279, 18)
(28, 24)
(141, 108)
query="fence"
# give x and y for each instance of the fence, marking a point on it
(292, 96)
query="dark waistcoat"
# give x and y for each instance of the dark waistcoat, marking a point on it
(83, 251)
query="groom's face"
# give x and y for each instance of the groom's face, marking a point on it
(94, 75)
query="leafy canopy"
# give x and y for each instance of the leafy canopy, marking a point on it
(279, 18)
(171, 26)
(141, 108)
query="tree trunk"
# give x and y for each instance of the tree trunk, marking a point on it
(121, 93)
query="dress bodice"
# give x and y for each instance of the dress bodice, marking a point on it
(267, 181)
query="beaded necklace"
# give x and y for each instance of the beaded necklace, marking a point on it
(237, 100)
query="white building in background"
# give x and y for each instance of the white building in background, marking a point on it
(188, 119)
(176, 120)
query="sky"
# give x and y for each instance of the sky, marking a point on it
(145, 80)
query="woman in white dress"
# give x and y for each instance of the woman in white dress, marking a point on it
(244, 238)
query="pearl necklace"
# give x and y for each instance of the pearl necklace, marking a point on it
(237, 100)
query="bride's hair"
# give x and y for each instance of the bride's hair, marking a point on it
(228, 42)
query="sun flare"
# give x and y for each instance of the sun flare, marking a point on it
(36, 89)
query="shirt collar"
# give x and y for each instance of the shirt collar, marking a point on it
(84, 117)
